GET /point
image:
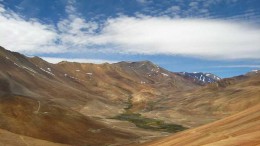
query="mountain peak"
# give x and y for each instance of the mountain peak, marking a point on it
(37, 59)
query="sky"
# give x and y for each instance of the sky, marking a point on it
(217, 36)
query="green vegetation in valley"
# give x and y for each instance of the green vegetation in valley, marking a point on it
(148, 123)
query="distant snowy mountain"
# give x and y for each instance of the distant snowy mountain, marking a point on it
(202, 78)
(253, 72)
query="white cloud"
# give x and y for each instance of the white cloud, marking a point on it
(96, 61)
(18, 34)
(193, 37)
(205, 38)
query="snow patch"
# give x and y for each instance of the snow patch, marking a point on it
(207, 75)
(216, 78)
(164, 74)
(47, 71)
(16, 64)
(29, 69)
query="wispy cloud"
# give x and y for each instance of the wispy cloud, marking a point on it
(193, 9)
(240, 66)
(194, 5)
(144, 1)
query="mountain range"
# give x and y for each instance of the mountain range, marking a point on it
(124, 103)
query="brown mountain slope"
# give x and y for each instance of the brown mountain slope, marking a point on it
(240, 129)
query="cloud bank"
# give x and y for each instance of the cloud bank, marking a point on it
(192, 37)
(204, 38)
(96, 61)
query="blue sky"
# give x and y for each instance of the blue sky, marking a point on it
(217, 36)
